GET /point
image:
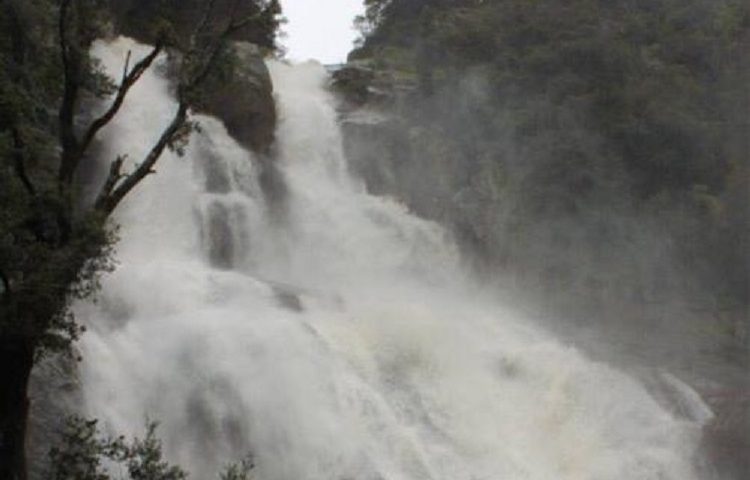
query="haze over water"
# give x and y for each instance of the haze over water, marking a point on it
(334, 335)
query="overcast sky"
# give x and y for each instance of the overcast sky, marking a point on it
(320, 29)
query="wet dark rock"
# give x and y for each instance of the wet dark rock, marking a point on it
(288, 299)
(216, 174)
(359, 84)
(273, 184)
(354, 82)
(220, 243)
(246, 104)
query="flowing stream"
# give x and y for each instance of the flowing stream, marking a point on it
(333, 335)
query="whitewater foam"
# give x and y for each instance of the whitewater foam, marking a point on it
(338, 340)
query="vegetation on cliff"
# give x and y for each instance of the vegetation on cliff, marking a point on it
(84, 453)
(591, 156)
(595, 150)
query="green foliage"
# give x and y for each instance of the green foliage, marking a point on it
(367, 23)
(645, 72)
(144, 459)
(84, 453)
(548, 129)
(177, 19)
(239, 471)
(81, 452)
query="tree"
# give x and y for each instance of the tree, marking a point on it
(83, 454)
(539, 130)
(54, 246)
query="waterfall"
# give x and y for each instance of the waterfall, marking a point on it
(335, 336)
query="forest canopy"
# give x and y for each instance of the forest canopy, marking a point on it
(588, 147)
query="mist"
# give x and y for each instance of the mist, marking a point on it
(502, 240)
(342, 335)
(626, 237)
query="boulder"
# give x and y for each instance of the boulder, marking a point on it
(245, 104)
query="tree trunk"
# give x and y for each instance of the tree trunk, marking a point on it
(16, 362)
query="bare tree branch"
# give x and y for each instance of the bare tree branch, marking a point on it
(239, 25)
(126, 67)
(62, 31)
(71, 81)
(6, 284)
(117, 185)
(19, 161)
(107, 203)
(73, 148)
(204, 70)
(203, 24)
(113, 178)
(129, 78)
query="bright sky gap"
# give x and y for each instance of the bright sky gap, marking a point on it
(320, 29)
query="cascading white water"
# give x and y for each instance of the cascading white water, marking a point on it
(331, 337)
